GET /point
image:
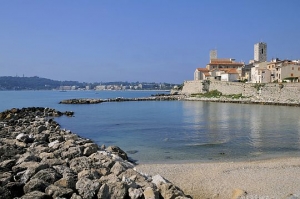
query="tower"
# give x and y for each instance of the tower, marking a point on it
(260, 52)
(213, 54)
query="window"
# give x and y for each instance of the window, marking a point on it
(293, 68)
(298, 68)
(292, 74)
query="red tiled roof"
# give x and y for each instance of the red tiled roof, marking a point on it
(203, 70)
(223, 63)
(229, 70)
(207, 74)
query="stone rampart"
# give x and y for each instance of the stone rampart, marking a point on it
(271, 92)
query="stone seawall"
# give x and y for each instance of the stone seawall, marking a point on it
(272, 92)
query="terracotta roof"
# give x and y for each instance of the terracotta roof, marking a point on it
(232, 71)
(203, 70)
(223, 63)
(226, 60)
(207, 74)
(229, 70)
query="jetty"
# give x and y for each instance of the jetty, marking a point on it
(161, 97)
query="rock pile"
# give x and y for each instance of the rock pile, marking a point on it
(40, 160)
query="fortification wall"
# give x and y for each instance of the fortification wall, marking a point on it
(271, 92)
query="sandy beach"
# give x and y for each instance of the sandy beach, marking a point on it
(272, 178)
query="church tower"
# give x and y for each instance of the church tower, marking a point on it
(260, 52)
(213, 54)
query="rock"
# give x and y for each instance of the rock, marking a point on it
(72, 152)
(35, 185)
(22, 137)
(238, 193)
(67, 182)
(90, 174)
(150, 193)
(90, 148)
(80, 163)
(25, 165)
(56, 191)
(111, 178)
(75, 196)
(45, 155)
(27, 157)
(41, 129)
(117, 168)
(4, 193)
(168, 190)
(158, 179)
(8, 164)
(112, 190)
(135, 193)
(48, 175)
(5, 178)
(87, 188)
(52, 144)
(36, 195)
(15, 188)
(117, 151)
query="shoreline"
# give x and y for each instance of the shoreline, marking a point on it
(243, 101)
(39, 159)
(269, 178)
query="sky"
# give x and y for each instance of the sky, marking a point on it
(139, 40)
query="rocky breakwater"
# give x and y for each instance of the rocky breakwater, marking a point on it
(40, 160)
(121, 99)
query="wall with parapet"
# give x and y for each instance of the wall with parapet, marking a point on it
(275, 92)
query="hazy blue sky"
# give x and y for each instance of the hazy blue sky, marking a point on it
(139, 40)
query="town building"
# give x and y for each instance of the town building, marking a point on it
(284, 70)
(260, 73)
(201, 74)
(223, 63)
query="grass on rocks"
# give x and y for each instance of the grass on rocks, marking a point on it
(217, 94)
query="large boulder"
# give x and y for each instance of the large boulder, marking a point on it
(87, 188)
(35, 185)
(58, 192)
(49, 175)
(115, 190)
(36, 195)
(117, 151)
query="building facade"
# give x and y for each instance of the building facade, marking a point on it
(201, 74)
(284, 70)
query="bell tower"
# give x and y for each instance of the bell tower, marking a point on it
(260, 52)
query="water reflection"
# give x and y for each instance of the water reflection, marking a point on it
(242, 129)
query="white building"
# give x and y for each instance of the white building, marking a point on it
(201, 74)
(100, 87)
(260, 73)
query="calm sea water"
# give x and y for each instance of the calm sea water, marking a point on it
(173, 131)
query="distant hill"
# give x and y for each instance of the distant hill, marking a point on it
(39, 83)
(34, 83)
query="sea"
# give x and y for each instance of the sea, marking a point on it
(173, 131)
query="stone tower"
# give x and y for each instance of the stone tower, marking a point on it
(260, 52)
(213, 54)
